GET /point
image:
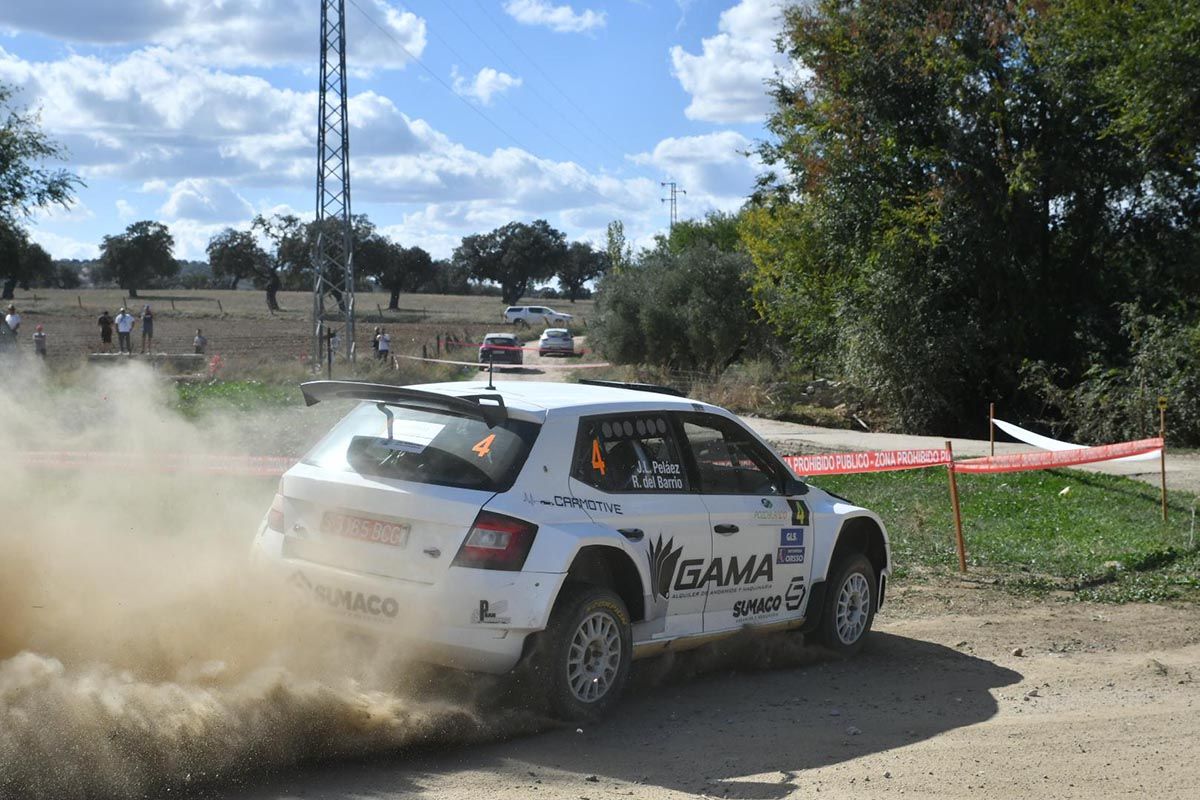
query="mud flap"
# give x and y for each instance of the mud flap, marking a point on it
(816, 605)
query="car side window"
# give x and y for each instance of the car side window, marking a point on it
(630, 453)
(728, 459)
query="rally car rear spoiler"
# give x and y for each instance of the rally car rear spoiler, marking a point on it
(487, 407)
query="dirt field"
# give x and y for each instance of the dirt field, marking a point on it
(1103, 702)
(238, 325)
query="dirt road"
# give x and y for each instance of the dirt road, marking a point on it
(1103, 702)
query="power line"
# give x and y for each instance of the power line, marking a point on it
(563, 146)
(451, 90)
(543, 73)
(533, 88)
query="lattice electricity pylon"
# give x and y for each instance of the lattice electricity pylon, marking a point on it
(333, 259)
(673, 200)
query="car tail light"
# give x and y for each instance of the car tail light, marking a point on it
(275, 515)
(496, 542)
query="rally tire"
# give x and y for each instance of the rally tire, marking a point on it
(850, 602)
(581, 661)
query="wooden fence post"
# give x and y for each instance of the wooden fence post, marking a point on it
(958, 532)
(1162, 454)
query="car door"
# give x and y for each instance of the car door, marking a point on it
(759, 571)
(633, 464)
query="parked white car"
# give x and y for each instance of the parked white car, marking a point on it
(556, 342)
(539, 315)
(565, 529)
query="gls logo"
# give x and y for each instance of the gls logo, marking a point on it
(692, 574)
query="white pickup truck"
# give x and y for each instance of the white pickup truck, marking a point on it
(528, 315)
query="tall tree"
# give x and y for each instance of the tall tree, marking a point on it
(234, 255)
(517, 256)
(145, 252)
(581, 265)
(620, 254)
(397, 268)
(954, 168)
(25, 183)
(718, 229)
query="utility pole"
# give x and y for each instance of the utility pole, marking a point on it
(673, 200)
(333, 262)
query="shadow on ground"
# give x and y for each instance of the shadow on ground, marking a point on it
(703, 722)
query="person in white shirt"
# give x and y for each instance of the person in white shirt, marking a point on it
(125, 322)
(385, 345)
(13, 319)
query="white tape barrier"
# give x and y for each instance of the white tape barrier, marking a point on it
(1057, 445)
(539, 365)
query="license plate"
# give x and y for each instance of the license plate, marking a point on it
(365, 529)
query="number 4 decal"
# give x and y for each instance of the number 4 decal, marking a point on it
(484, 446)
(598, 458)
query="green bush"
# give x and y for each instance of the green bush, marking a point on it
(689, 310)
(1115, 402)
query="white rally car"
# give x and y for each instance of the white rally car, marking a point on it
(565, 528)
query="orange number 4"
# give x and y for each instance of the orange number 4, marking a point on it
(597, 457)
(484, 446)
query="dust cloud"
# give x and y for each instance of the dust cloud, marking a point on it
(139, 651)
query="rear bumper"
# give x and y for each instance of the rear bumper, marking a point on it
(472, 619)
(502, 357)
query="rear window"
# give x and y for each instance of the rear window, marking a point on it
(506, 341)
(426, 447)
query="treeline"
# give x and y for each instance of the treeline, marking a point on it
(276, 253)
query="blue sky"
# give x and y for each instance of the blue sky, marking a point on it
(201, 113)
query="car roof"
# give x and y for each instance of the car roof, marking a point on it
(556, 330)
(571, 398)
(499, 336)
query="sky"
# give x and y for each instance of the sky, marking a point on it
(464, 114)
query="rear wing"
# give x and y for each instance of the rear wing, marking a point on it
(487, 407)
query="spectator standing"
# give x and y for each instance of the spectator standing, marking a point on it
(125, 324)
(8, 339)
(385, 344)
(106, 325)
(375, 340)
(13, 319)
(147, 329)
(39, 341)
(199, 343)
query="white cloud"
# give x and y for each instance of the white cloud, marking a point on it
(727, 79)
(487, 84)
(125, 210)
(205, 200)
(60, 246)
(712, 168)
(561, 19)
(218, 32)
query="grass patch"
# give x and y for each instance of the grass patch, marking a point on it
(1103, 540)
(194, 400)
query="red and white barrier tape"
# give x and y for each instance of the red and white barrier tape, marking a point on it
(266, 466)
(888, 460)
(866, 461)
(1048, 459)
